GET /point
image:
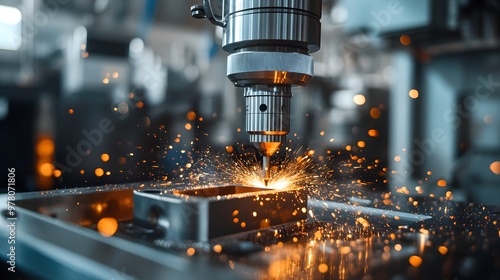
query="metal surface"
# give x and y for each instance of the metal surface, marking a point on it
(56, 236)
(268, 112)
(269, 68)
(280, 23)
(204, 214)
(431, 239)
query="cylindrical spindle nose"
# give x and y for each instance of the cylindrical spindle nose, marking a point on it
(268, 112)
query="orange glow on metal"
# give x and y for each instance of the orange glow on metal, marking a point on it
(293, 173)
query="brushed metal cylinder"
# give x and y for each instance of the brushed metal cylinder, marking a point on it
(273, 22)
(259, 67)
(268, 112)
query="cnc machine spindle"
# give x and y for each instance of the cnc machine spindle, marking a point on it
(269, 44)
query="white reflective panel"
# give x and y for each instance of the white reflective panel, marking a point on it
(10, 28)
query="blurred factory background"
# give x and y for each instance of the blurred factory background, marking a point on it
(108, 91)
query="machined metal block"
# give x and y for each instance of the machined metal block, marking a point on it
(203, 214)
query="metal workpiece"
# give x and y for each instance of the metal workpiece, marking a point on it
(58, 235)
(204, 214)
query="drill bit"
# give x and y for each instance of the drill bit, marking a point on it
(267, 149)
(266, 168)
